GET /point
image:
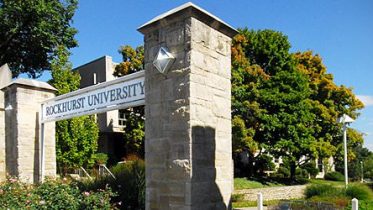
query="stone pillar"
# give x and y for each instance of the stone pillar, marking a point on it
(2, 137)
(5, 79)
(22, 130)
(188, 149)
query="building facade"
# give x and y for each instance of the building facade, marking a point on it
(110, 123)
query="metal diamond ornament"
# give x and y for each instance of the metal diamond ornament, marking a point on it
(164, 60)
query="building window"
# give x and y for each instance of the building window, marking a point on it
(121, 118)
(94, 78)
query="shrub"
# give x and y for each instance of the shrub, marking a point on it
(101, 158)
(320, 190)
(339, 195)
(359, 191)
(238, 197)
(301, 173)
(364, 205)
(57, 194)
(334, 176)
(283, 172)
(129, 184)
(264, 163)
(51, 195)
(311, 169)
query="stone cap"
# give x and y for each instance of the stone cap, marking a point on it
(31, 83)
(194, 11)
(5, 75)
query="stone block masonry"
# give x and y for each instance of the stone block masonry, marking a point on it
(188, 112)
(22, 130)
(2, 137)
(5, 79)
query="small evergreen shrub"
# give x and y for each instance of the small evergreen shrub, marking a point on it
(334, 176)
(359, 191)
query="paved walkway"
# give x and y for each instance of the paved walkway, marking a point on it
(250, 208)
(274, 193)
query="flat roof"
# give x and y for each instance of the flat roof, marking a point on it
(92, 61)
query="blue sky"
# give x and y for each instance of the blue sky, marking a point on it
(341, 31)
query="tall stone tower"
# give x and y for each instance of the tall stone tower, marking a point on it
(188, 148)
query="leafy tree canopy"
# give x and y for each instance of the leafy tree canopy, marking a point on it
(329, 101)
(134, 130)
(76, 139)
(288, 102)
(132, 60)
(32, 30)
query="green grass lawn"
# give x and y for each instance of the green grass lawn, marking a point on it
(240, 204)
(322, 181)
(244, 183)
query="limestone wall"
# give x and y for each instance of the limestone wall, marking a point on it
(2, 137)
(22, 133)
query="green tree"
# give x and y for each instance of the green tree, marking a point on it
(32, 30)
(132, 60)
(368, 166)
(76, 139)
(245, 107)
(329, 101)
(134, 133)
(354, 166)
(271, 96)
(288, 100)
(285, 129)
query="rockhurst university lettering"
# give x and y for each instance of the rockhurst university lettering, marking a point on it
(97, 99)
(116, 94)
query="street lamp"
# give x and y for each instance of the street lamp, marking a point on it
(345, 120)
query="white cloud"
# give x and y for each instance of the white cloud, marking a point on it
(369, 146)
(367, 100)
